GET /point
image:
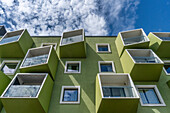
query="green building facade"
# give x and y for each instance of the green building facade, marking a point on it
(76, 73)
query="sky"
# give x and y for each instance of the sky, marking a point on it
(96, 17)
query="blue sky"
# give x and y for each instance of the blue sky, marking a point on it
(97, 17)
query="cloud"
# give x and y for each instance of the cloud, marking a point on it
(52, 17)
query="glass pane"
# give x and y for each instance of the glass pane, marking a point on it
(9, 39)
(106, 92)
(167, 68)
(35, 60)
(146, 59)
(143, 96)
(102, 48)
(165, 38)
(70, 95)
(74, 67)
(73, 39)
(9, 67)
(22, 91)
(132, 40)
(113, 92)
(148, 96)
(106, 67)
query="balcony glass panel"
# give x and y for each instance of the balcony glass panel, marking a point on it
(73, 39)
(165, 38)
(112, 91)
(22, 91)
(148, 96)
(9, 67)
(9, 39)
(70, 95)
(35, 60)
(134, 40)
(146, 59)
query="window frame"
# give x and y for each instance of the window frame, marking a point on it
(156, 92)
(166, 61)
(107, 62)
(48, 44)
(62, 95)
(10, 61)
(103, 44)
(72, 62)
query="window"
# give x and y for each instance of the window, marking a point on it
(113, 91)
(103, 48)
(106, 66)
(70, 95)
(9, 67)
(48, 44)
(167, 67)
(150, 96)
(73, 67)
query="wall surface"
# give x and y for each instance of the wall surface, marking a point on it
(86, 79)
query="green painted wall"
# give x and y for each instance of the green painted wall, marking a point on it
(86, 79)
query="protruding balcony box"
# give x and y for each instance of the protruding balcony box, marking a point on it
(41, 59)
(15, 44)
(160, 43)
(115, 93)
(28, 93)
(72, 44)
(133, 39)
(2, 30)
(4, 81)
(142, 64)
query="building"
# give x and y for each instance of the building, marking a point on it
(75, 73)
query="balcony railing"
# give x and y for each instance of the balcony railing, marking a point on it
(22, 91)
(9, 39)
(72, 39)
(132, 40)
(113, 91)
(165, 38)
(146, 59)
(35, 60)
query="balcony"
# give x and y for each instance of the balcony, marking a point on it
(133, 39)
(72, 44)
(12, 44)
(142, 64)
(28, 90)
(113, 92)
(41, 59)
(160, 43)
(2, 30)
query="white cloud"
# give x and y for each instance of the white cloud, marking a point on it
(52, 17)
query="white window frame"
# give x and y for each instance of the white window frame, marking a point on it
(42, 45)
(62, 95)
(103, 44)
(166, 61)
(72, 62)
(157, 93)
(107, 62)
(11, 61)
